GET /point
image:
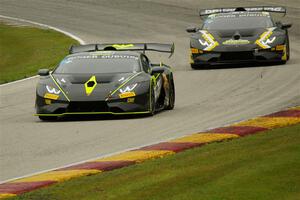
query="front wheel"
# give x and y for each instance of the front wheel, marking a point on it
(152, 102)
(199, 66)
(171, 103)
(193, 66)
(287, 49)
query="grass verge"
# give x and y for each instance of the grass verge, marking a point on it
(263, 166)
(24, 50)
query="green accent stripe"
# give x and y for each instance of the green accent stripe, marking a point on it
(128, 79)
(92, 113)
(59, 87)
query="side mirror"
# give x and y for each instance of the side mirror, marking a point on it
(43, 72)
(286, 26)
(191, 30)
(283, 26)
(157, 70)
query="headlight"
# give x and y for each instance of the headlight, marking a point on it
(52, 90)
(269, 41)
(265, 39)
(127, 91)
(128, 88)
(207, 41)
(124, 92)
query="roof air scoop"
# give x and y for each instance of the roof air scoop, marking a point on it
(237, 36)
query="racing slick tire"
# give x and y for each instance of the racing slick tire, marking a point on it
(171, 103)
(199, 66)
(193, 66)
(152, 103)
(287, 48)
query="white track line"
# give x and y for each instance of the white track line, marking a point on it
(41, 25)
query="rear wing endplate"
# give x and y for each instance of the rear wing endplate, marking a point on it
(164, 48)
(275, 9)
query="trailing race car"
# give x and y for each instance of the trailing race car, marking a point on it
(106, 79)
(239, 35)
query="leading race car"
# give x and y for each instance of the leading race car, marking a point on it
(239, 35)
(106, 79)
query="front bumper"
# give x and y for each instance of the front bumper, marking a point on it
(260, 56)
(132, 105)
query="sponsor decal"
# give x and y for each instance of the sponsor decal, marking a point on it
(51, 96)
(127, 95)
(236, 42)
(252, 9)
(90, 85)
(239, 14)
(105, 56)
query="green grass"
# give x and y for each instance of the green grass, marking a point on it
(263, 166)
(24, 50)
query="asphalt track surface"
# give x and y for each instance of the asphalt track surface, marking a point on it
(204, 98)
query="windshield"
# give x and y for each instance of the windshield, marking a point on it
(238, 21)
(94, 64)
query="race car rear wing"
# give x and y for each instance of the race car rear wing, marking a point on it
(275, 9)
(164, 48)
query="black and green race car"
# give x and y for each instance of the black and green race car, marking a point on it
(239, 35)
(112, 79)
